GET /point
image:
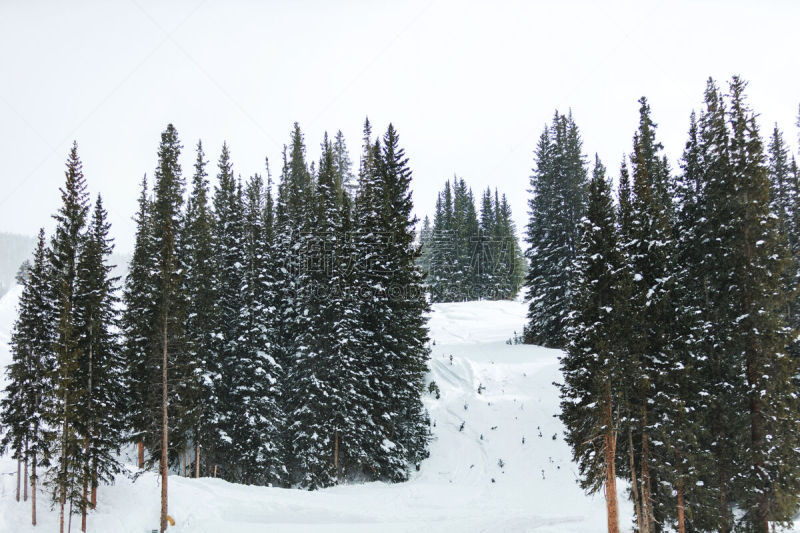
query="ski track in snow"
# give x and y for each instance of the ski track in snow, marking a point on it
(535, 490)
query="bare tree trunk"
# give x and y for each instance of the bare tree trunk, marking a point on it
(336, 455)
(25, 477)
(196, 460)
(215, 470)
(94, 483)
(87, 467)
(647, 504)
(19, 476)
(85, 492)
(634, 484)
(33, 490)
(610, 438)
(681, 504)
(62, 497)
(140, 446)
(164, 429)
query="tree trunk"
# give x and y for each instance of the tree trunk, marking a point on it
(610, 439)
(637, 506)
(19, 476)
(336, 455)
(140, 446)
(196, 460)
(85, 491)
(87, 445)
(647, 504)
(164, 429)
(62, 497)
(681, 504)
(33, 490)
(94, 483)
(25, 476)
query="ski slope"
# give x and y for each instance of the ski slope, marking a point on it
(462, 487)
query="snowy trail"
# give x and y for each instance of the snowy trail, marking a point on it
(534, 489)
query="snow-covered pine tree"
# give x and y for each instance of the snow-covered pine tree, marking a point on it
(370, 281)
(785, 203)
(292, 224)
(139, 297)
(197, 408)
(67, 471)
(28, 397)
(489, 248)
(681, 399)
(343, 168)
(509, 262)
(328, 409)
(558, 188)
(650, 247)
(100, 367)
(594, 365)
(405, 335)
(719, 371)
(442, 271)
(769, 483)
(426, 241)
(167, 272)
(258, 424)
(229, 261)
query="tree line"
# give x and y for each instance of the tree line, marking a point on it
(467, 254)
(677, 309)
(272, 340)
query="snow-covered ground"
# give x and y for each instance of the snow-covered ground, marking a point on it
(461, 488)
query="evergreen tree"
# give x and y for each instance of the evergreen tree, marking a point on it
(785, 203)
(328, 410)
(258, 423)
(68, 469)
(198, 407)
(28, 394)
(558, 188)
(757, 256)
(229, 264)
(139, 297)
(100, 367)
(169, 307)
(291, 226)
(405, 334)
(594, 364)
(649, 246)
(343, 168)
(370, 282)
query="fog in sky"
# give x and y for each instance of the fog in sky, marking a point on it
(468, 85)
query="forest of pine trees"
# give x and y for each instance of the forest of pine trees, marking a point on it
(270, 340)
(274, 333)
(680, 371)
(469, 254)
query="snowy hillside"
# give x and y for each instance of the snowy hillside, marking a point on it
(507, 469)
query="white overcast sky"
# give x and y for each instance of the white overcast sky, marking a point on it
(468, 85)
